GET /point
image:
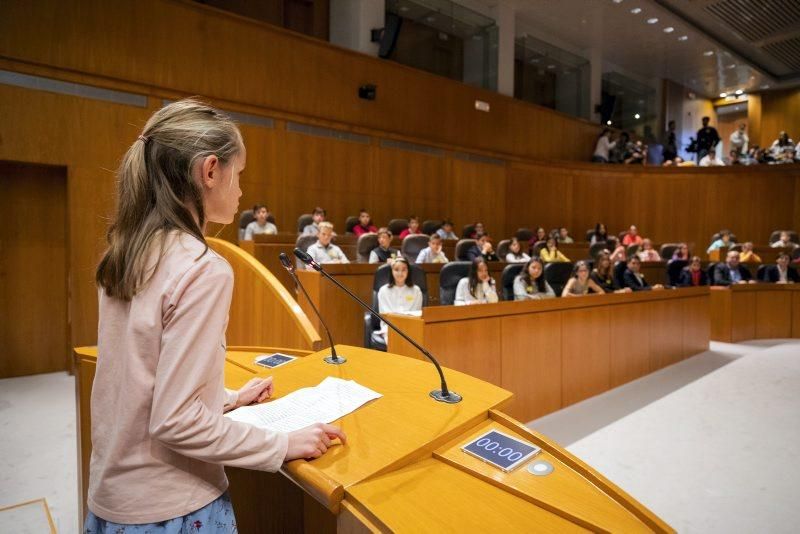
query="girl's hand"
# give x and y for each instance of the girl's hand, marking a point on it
(256, 390)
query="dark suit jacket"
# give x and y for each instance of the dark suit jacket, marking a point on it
(632, 281)
(685, 279)
(773, 276)
(722, 274)
(475, 252)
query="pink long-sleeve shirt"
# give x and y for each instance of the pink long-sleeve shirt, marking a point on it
(159, 439)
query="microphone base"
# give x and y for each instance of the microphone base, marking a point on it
(338, 361)
(453, 398)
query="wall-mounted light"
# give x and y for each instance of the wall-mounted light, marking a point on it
(480, 105)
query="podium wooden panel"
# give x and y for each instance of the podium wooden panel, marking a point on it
(553, 353)
(755, 311)
(402, 469)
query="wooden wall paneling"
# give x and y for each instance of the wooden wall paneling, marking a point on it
(773, 314)
(482, 360)
(630, 349)
(796, 314)
(84, 377)
(285, 71)
(475, 192)
(408, 183)
(720, 312)
(666, 339)
(696, 326)
(586, 359)
(536, 198)
(33, 270)
(743, 320)
(780, 110)
(327, 172)
(531, 351)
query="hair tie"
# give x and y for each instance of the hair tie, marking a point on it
(144, 139)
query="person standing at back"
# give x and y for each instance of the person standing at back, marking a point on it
(707, 138)
(739, 140)
(159, 437)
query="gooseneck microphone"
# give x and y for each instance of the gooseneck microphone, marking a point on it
(333, 359)
(441, 395)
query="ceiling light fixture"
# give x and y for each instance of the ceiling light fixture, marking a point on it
(636, 10)
(739, 92)
(732, 66)
(652, 20)
(723, 95)
(617, 1)
(608, 122)
(637, 116)
(708, 53)
(683, 38)
(669, 29)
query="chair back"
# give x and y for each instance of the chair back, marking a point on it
(557, 274)
(245, 218)
(589, 234)
(429, 227)
(412, 246)
(303, 242)
(448, 280)
(717, 236)
(462, 247)
(598, 247)
(622, 235)
(350, 223)
(619, 271)
(761, 273)
(507, 280)
(397, 225)
(364, 245)
(674, 268)
(524, 234)
(502, 249)
(776, 235)
(668, 249)
(632, 250)
(303, 221)
(467, 231)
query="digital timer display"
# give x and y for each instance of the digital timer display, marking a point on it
(501, 450)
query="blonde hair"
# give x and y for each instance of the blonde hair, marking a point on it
(325, 225)
(155, 185)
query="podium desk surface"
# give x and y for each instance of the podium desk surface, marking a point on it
(403, 469)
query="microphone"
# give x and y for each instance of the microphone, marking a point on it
(441, 395)
(333, 359)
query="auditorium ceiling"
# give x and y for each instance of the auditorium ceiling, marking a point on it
(709, 46)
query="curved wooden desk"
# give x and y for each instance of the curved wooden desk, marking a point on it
(402, 469)
(755, 311)
(263, 312)
(556, 352)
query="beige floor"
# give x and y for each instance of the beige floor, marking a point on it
(709, 444)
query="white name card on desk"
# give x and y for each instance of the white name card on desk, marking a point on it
(332, 399)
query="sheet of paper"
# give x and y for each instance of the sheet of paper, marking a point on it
(331, 399)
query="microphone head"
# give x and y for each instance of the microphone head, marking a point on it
(286, 262)
(307, 259)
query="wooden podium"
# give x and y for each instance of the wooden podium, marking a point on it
(402, 469)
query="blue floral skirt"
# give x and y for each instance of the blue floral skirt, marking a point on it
(217, 517)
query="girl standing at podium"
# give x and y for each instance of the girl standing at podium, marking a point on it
(159, 437)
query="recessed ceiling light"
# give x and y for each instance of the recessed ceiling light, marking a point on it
(608, 122)
(708, 53)
(637, 116)
(617, 1)
(669, 29)
(652, 20)
(636, 10)
(732, 66)
(723, 95)
(683, 38)
(739, 92)
(765, 86)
